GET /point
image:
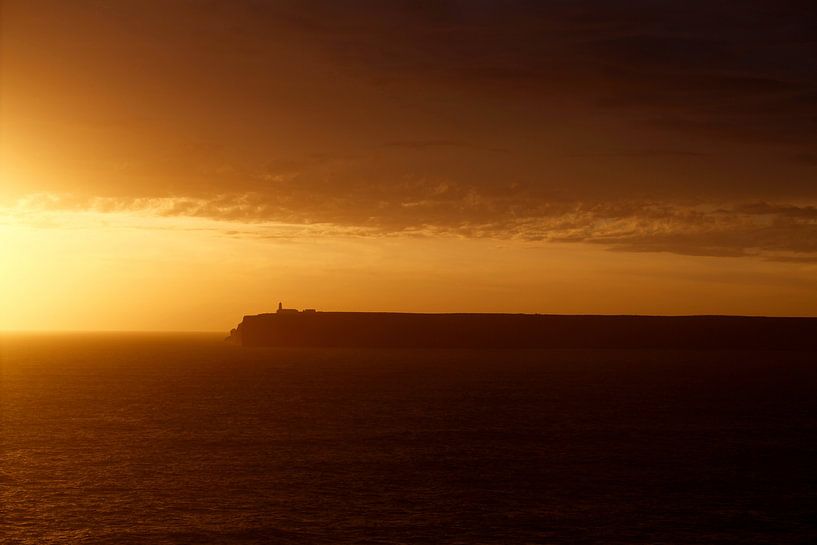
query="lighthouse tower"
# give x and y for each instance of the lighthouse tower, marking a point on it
(282, 310)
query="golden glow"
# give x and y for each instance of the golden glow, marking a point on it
(137, 269)
(178, 168)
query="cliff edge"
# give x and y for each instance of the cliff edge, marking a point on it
(407, 330)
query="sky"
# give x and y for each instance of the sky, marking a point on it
(176, 164)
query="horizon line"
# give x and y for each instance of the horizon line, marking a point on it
(22, 331)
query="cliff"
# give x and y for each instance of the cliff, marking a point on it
(404, 330)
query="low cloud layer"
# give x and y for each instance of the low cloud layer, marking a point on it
(776, 232)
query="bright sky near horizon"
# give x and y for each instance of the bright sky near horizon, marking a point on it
(176, 165)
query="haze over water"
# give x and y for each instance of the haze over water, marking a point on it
(185, 439)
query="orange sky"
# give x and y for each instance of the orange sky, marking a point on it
(175, 165)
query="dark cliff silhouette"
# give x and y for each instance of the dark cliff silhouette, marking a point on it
(288, 327)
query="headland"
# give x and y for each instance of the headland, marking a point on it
(310, 328)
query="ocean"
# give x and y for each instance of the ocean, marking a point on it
(182, 438)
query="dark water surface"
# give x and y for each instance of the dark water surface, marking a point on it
(184, 439)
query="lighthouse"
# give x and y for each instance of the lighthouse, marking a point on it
(282, 310)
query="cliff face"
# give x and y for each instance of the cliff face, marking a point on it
(399, 330)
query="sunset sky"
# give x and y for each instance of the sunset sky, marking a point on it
(176, 164)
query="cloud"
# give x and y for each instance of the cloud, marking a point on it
(535, 120)
(772, 231)
(806, 158)
(641, 153)
(709, 76)
(422, 145)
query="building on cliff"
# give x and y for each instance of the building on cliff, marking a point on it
(282, 310)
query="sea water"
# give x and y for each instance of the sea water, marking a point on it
(110, 438)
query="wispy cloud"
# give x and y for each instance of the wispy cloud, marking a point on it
(772, 231)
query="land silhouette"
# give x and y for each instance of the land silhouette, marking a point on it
(293, 328)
